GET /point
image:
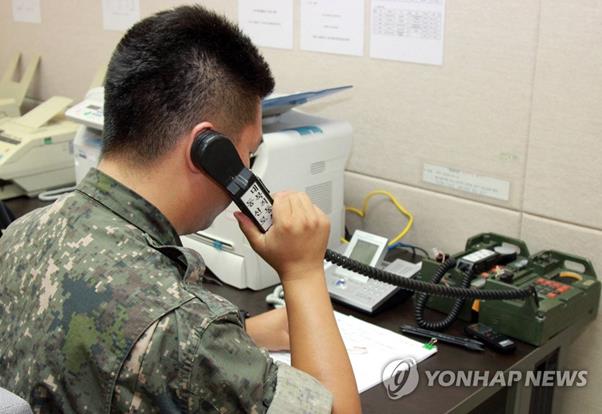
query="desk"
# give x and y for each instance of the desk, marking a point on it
(22, 205)
(438, 399)
(516, 399)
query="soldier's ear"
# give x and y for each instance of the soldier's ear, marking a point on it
(189, 141)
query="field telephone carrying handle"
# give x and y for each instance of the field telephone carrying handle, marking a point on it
(215, 154)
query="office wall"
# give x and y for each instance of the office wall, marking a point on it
(518, 98)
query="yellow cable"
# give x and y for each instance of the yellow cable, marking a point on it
(402, 209)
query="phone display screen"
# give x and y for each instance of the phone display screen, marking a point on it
(363, 252)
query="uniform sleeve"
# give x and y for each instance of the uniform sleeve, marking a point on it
(190, 361)
(231, 374)
(298, 392)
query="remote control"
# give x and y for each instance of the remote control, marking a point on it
(492, 339)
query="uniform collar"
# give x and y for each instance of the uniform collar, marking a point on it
(129, 205)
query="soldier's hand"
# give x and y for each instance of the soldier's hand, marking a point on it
(296, 242)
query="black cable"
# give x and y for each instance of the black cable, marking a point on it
(426, 254)
(456, 308)
(426, 287)
(347, 234)
(400, 245)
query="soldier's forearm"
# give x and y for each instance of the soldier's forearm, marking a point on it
(270, 330)
(316, 344)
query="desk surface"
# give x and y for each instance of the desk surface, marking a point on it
(423, 399)
(22, 205)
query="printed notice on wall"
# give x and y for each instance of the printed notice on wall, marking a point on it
(120, 15)
(268, 23)
(467, 182)
(408, 30)
(333, 26)
(27, 11)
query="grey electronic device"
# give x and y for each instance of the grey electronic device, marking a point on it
(358, 291)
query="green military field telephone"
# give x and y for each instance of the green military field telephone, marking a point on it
(567, 288)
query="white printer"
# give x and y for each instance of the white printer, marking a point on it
(35, 150)
(299, 152)
(87, 141)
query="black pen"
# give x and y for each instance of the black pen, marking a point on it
(467, 343)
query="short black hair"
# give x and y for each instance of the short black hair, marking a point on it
(173, 70)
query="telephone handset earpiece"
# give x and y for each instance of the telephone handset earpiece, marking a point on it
(215, 154)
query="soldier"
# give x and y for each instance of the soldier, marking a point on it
(102, 309)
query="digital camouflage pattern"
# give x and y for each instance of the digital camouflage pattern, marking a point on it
(102, 310)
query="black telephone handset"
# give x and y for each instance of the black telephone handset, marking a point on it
(215, 154)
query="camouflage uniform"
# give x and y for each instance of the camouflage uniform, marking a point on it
(102, 310)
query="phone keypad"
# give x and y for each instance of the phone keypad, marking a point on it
(259, 205)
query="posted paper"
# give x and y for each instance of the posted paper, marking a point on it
(268, 23)
(27, 11)
(464, 181)
(120, 15)
(333, 26)
(408, 30)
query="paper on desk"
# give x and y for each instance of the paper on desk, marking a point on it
(370, 349)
